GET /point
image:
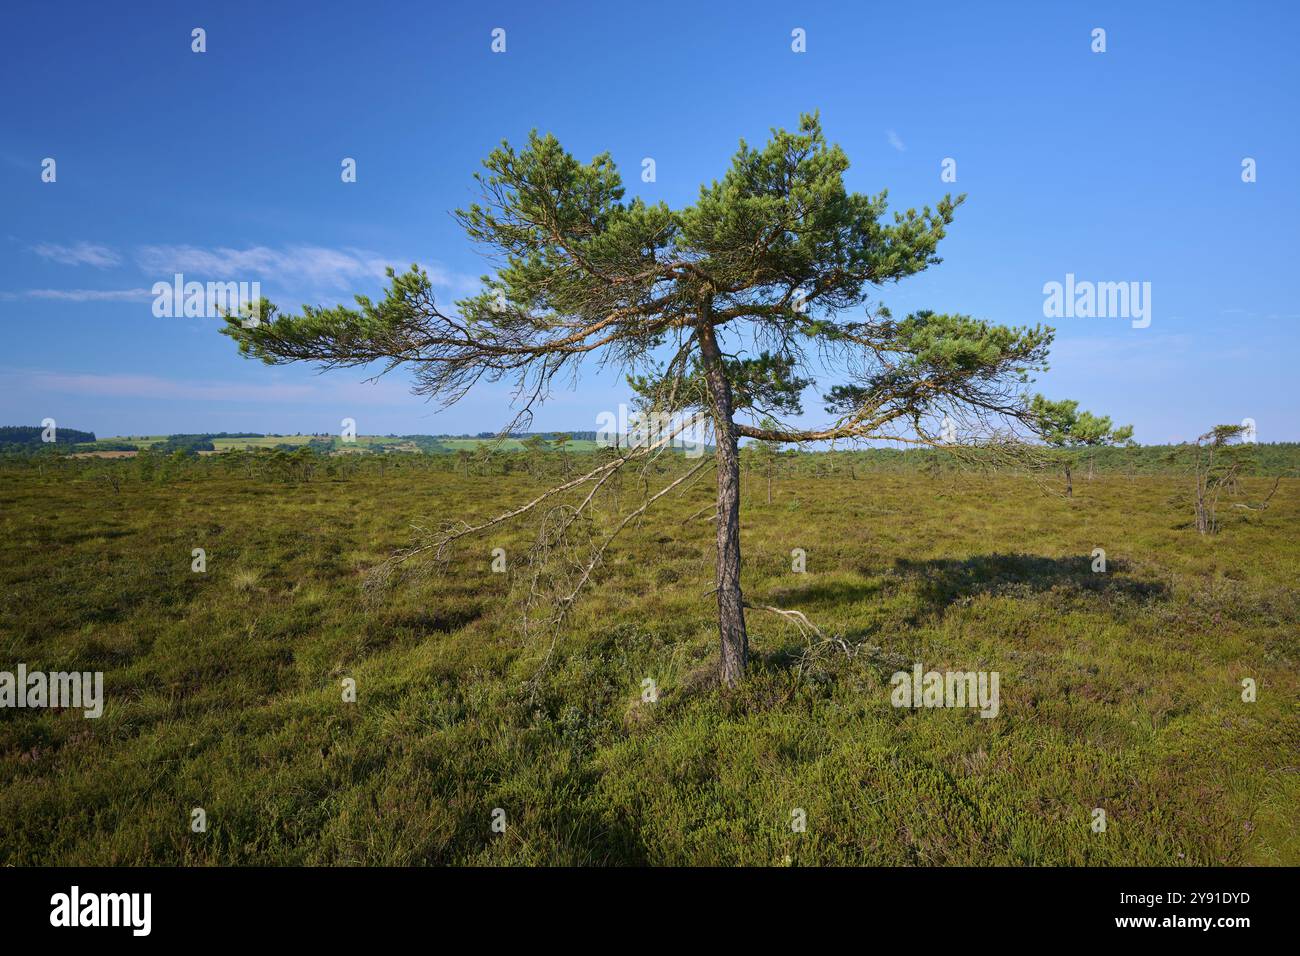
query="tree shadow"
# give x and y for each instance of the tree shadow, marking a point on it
(939, 583)
(943, 581)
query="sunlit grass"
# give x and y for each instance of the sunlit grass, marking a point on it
(1120, 691)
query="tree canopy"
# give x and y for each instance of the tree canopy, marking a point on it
(724, 311)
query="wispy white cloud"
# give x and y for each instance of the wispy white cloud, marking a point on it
(895, 141)
(315, 267)
(316, 271)
(150, 386)
(82, 295)
(312, 264)
(78, 254)
(1289, 317)
(125, 385)
(1123, 356)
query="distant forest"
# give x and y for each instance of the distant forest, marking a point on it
(31, 435)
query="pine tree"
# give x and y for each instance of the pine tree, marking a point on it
(777, 261)
(1063, 426)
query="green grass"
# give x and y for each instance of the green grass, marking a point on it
(1119, 691)
(270, 441)
(139, 442)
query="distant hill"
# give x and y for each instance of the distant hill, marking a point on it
(24, 435)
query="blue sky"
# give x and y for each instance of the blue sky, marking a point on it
(1115, 166)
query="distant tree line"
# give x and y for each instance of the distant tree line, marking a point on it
(1271, 459)
(31, 435)
(186, 444)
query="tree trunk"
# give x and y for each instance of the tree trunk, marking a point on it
(731, 607)
(1069, 482)
(1201, 523)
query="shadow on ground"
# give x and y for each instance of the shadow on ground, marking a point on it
(939, 583)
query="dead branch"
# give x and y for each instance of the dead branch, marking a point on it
(1263, 505)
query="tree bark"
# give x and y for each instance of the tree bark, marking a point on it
(731, 605)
